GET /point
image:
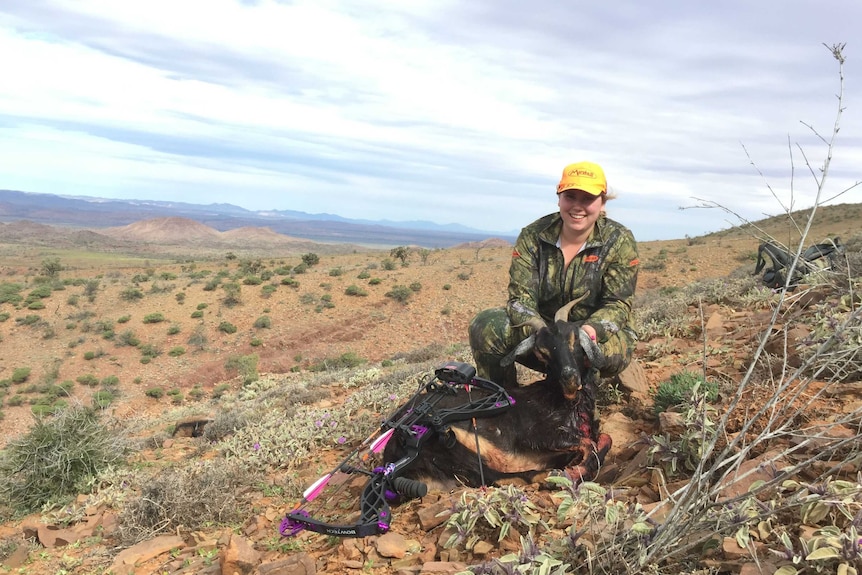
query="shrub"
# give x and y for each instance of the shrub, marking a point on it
(263, 321)
(88, 379)
(110, 381)
(149, 350)
(177, 351)
(355, 290)
(232, 294)
(375, 281)
(399, 293)
(192, 496)
(103, 398)
(678, 390)
(131, 294)
(197, 314)
(154, 318)
(246, 367)
(57, 459)
(310, 259)
(155, 392)
(201, 306)
(124, 319)
(227, 327)
(128, 337)
(174, 329)
(20, 374)
(268, 290)
(415, 287)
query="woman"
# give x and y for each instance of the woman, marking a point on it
(558, 258)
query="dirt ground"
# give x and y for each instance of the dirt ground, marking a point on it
(338, 308)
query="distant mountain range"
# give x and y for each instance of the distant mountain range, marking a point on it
(95, 213)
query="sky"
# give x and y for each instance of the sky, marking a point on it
(702, 114)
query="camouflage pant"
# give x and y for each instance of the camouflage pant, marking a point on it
(492, 337)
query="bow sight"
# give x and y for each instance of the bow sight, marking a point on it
(414, 423)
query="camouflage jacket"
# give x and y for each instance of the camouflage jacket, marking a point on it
(607, 268)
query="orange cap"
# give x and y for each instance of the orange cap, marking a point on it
(585, 176)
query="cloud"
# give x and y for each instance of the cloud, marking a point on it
(445, 111)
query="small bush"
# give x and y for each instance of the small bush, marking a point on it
(678, 390)
(124, 319)
(227, 327)
(399, 293)
(191, 496)
(174, 329)
(263, 321)
(155, 392)
(88, 379)
(20, 374)
(177, 351)
(110, 381)
(57, 459)
(355, 290)
(131, 294)
(197, 314)
(246, 367)
(154, 318)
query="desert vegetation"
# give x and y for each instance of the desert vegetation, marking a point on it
(743, 450)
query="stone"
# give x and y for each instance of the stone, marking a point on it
(51, 536)
(391, 545)
(434, 514)
(634, 378)
(444, 567)
(16, 558)
(299, 564)
(125, 561)
(240, 557)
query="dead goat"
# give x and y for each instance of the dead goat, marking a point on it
(552, 425)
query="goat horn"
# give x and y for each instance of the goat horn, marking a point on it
(591, 348)
(563, 313)
(525, 346)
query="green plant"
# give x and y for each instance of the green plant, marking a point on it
(174, 329)
(684, 452)
(57, 459)
(177, 351)
(197, 314)
(155, 392)
(679, 389)
(492, 514)
(263, 321)
(246, 367)
(131, 294)
(232, 294)
(354, 290)
(155, 317)
(88, 379)
(20, 374)
(399, 293)
(227, 327)
(310, 259)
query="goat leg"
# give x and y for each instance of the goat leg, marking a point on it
(592, 457)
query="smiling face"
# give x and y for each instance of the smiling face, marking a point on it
(579, 210)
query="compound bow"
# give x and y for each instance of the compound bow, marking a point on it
(415, 422)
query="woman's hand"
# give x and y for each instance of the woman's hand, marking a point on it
(590, 331)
